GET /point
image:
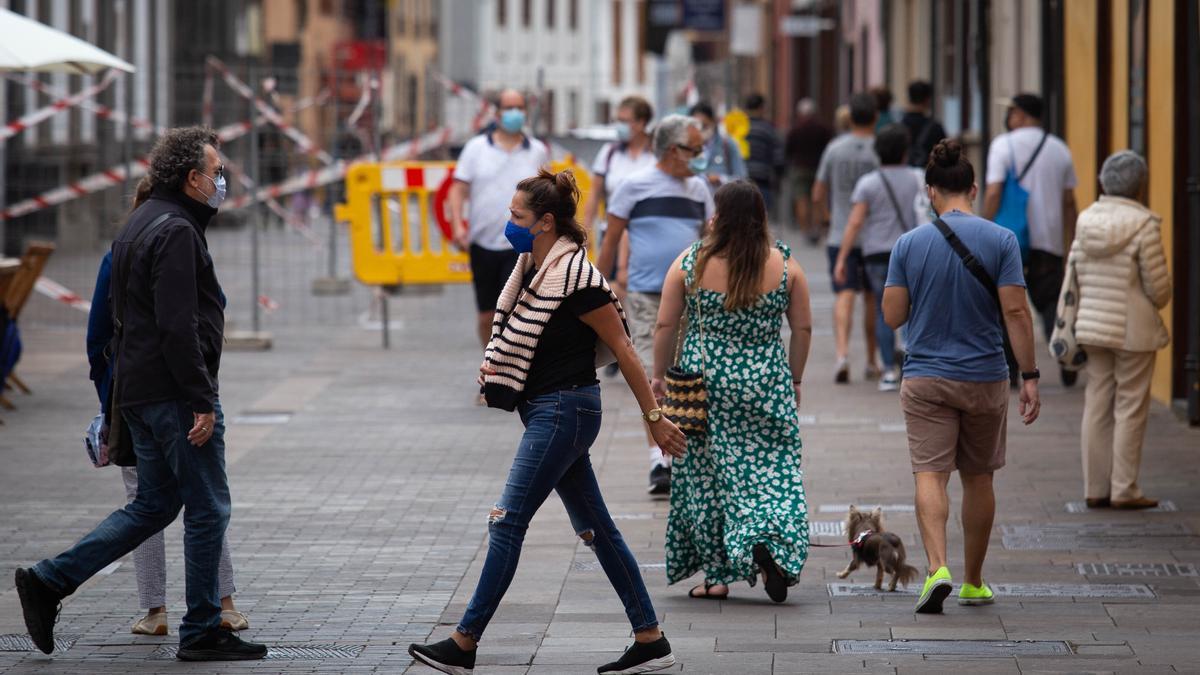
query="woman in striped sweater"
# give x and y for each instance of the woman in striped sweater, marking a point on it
(556, 321)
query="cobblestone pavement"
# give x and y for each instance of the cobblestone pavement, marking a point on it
(362, 479)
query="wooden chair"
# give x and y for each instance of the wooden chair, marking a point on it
(37, 254)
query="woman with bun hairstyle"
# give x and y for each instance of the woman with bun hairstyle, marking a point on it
(955, 389)
(557, 320)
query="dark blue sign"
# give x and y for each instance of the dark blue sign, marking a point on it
(704, 15)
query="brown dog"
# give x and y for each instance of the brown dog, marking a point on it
(872, 545)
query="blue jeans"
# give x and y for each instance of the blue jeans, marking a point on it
(876, 273)
(172, 474)
(559, 430)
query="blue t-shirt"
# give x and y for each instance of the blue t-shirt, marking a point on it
(954, 329)
(665, 216)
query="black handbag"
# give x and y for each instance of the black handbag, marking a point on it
(686, 402)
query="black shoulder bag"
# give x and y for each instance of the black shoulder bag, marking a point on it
(976, 269)
(120, 445)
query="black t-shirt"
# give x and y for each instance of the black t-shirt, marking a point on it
(923, 133)
(566, 351)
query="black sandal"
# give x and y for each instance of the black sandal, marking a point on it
(775, 583)
(707, 595)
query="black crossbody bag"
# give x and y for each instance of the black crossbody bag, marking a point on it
(120, 445)
(976, 269)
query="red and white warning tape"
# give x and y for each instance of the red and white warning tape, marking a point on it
(368, 92)
(18, 125)
(304, 142)
(57, 291)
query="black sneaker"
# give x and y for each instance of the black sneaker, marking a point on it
(612, 369)
(41, 605)
(641, 657)
(445, 656)
(221, 644)
(660, 480)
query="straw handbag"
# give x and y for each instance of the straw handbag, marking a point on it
(686, 403)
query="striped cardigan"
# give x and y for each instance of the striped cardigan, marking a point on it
(522, 314)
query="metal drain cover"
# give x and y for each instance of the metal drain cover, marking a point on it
(1090, 536)
(1164, 506)
(1138, 569)
(1012, 590)
(951, 647)
(887, 508)
(826, 528)
(311, 652)
(23, 643)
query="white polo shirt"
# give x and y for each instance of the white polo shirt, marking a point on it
(1052, 174)
(493, 174)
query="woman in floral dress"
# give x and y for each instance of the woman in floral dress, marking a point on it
(737, 496)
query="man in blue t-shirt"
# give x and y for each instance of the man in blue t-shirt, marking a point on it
(955, 389)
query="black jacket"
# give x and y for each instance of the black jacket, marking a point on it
(174, 323)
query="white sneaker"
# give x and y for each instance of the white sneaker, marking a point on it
(890, 381)
(151, 624)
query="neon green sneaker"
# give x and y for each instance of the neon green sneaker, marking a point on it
(934, 593)
(973, 595)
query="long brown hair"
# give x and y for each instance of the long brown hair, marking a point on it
(558, 195)
(740, 234)
(141, 192)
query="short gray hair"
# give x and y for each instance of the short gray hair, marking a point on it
(1123, 174)
(671, 131)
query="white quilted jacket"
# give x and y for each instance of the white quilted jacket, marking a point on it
(1123, 278)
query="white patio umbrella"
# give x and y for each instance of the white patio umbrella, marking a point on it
(29, 45)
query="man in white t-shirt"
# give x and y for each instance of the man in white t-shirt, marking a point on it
(617, 161)
(487, 173)
(663, 208)
(1051, 211)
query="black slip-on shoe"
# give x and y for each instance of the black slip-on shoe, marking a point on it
(221, 644)
(40, 605)
(641, 657)
(445, 656)
(776, 584)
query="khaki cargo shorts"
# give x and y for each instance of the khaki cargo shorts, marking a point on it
(642, 312)
(954, 424)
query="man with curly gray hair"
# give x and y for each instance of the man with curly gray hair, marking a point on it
(664, 208)
(168, 312)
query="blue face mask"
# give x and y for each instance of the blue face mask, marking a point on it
(512, 120)
(623, 131)
(521, 238)
(698, 164)
(215, 199)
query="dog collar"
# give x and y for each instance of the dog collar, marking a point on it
(860, 539)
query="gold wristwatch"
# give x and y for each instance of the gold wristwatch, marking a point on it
(652, 416)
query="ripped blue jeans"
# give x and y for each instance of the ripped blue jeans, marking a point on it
(559, 430)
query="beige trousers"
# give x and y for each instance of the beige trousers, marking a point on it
(1115, 407)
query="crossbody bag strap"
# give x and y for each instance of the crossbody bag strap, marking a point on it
(969, 260)
(1037, 151)
(121, 275)
(895, 202)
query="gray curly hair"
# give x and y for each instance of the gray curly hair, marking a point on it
(177, 152)
(1123, 174)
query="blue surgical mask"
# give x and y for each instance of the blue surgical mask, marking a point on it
(698, 164)
(215, 199)
(624, 131)
(521, 238)
(512, 120)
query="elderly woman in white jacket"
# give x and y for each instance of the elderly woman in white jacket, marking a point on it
(1123, 282)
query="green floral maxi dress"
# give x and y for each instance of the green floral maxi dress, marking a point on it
(742, 484)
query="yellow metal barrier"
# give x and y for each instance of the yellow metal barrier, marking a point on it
(400, 225)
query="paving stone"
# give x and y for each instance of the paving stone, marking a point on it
(973, 647)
